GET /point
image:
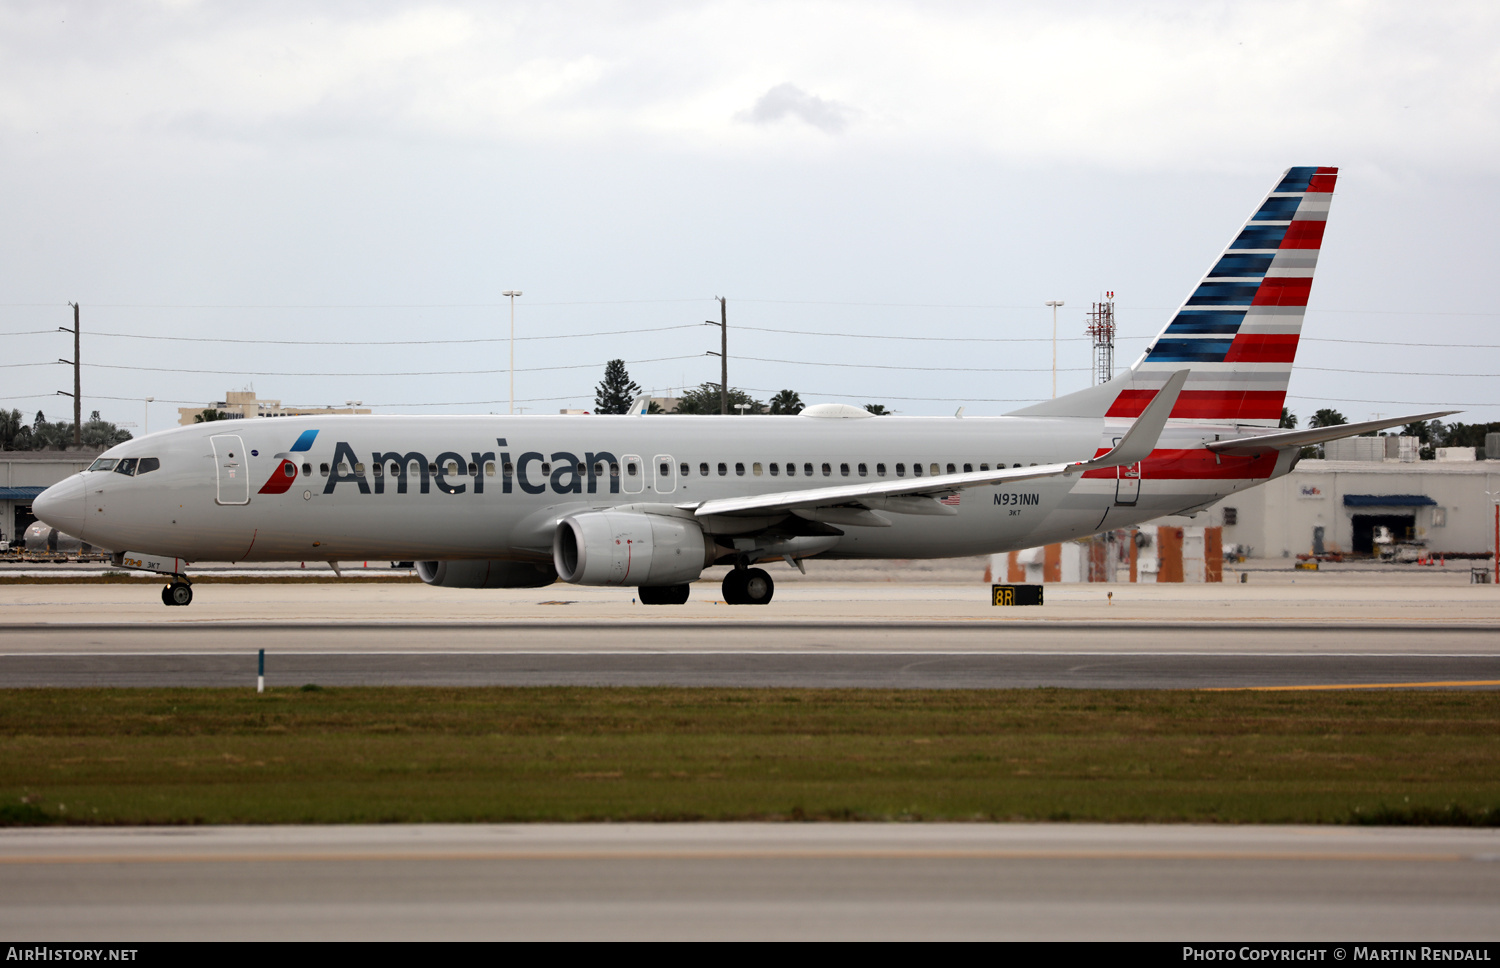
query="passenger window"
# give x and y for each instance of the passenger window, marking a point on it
(323, 469)
(599, 468)
(379, 470)
(489, 468)
(474, 469)
(755, 468)
(307, 470)
(583, 468)
(843, 470)
(684, 468)
(723, 469)
(289, 469)
(775, 469)
(629, 469)
(916, 470)
(935, 471)
(147, 465)
(452, 468)
(879, 470)
(664, 469)
(432, 469)
(126, 467)
(864, 471)
(343, 468)
(614, 469)
(983, 467)
(416, 468)
(807, 469)
(703, 470)
(359, 470)
(739, 470)
(900, 470)
(968, 468)
(791, 469)
(103, 464)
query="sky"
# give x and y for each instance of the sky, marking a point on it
(324, 202)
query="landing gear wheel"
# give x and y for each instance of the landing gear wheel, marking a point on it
(166, 595)
(758, 587)
(734, 587)
(663, 594)
(178, 593)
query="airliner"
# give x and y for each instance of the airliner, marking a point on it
(649, 502)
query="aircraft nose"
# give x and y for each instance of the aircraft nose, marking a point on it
(61, 505)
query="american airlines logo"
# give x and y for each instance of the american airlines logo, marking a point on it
(450, 472)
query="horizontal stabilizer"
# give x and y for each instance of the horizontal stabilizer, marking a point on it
(1316, 435)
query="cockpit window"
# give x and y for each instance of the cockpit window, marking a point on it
(147, 465)
(126, 466)
(103, 464)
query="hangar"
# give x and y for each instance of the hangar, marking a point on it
(1334, 506)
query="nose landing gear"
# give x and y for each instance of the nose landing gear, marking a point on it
(177, 593)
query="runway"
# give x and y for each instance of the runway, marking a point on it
(781, 668)
(744, 881)
(822, 635)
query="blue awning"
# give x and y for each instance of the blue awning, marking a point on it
(1388, 501)
(27, 493)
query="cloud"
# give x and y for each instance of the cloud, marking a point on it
(789, 100)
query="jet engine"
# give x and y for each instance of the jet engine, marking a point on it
(630, 548)
(485, 574)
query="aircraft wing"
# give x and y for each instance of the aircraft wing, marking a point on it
(916, 495)
(1315, 435)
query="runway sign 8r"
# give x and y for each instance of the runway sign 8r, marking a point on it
(1017, 594)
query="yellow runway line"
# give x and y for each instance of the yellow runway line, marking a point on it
(1358, 685)
(282, 857)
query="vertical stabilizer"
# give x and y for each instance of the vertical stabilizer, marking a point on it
(1238, 331)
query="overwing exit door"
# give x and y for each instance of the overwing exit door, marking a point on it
(232, 468)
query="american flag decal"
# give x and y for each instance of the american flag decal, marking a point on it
(951, 500)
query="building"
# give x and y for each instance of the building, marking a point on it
(1335, 506)
(26, 473)
(240, 404)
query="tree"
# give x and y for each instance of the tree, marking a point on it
(209, 416)
(616, 391)
(1288, 420)
(101, 434)
(704, 399)
(878, 409)
(787, 401)
(10, 427)
(1327, 417)
(1419, 430)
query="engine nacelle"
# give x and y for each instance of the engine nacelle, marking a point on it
(485, 574)
(630, 548)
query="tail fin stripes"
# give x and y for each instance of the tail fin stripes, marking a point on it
(1239, 328)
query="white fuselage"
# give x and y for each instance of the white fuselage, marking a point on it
(214, 495)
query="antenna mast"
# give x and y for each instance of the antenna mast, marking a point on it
(1102, 329)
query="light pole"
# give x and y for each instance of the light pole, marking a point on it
(146, 415)
(512, 294)
(1054, 303)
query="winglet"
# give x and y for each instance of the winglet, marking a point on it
(1142, 436)
(640, 405)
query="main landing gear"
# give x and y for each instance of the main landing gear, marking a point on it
(177, 593)
(748, 586)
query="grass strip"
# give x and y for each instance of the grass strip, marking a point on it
(345, 755)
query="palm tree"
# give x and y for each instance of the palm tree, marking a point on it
(787, 401)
